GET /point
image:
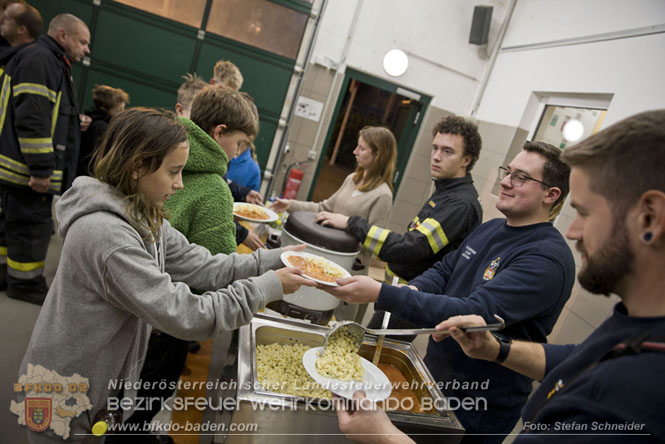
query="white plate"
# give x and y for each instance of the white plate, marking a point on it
(272, 216)
(285, 260)
(375, 383)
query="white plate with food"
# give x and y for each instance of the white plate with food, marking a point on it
(375, 383)
(314, 267)
(253, 213)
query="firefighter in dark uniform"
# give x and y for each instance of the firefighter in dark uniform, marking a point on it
(39, 144)
(450, 214)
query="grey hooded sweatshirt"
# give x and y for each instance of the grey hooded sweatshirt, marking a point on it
(112, 285)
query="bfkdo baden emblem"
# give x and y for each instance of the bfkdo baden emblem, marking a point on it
(491, 270)
(38, 413)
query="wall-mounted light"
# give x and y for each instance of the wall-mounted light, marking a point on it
(395, 62)
(573, 130)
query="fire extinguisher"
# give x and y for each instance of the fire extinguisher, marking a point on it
(293, 181)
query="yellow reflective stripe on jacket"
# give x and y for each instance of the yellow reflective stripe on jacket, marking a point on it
(14, 165)
(375, 239)
(31, 145)
(3, 252)
(18, 179)
(54, 116)
(390, 275)
(435, 236)
(56, 185)
(21, 168)
(34, 88)
(4, 99)
(19, 173)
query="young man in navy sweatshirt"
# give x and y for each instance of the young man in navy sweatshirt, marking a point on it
(610, 387)
(519, 268)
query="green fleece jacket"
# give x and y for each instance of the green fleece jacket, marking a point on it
(203, 209)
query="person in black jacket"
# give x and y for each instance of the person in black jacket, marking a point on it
(39, 147)
(20, 23)
(450, 214)
(107, 102)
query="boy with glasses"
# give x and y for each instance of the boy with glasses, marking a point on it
(519, 268)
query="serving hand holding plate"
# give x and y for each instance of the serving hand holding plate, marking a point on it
(355, 289)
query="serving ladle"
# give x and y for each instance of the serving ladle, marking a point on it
(357, 331)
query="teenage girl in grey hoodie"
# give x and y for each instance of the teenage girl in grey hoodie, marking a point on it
(123, 269)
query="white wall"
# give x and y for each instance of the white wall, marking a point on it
(629, 68)
(545, 20)
(435, 33)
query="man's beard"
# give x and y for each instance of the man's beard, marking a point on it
(604, 270)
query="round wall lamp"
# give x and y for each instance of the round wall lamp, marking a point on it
(395, 62)
(573, 130)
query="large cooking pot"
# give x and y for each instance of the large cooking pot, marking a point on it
(333, 244)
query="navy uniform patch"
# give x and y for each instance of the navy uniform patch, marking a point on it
(491, 270)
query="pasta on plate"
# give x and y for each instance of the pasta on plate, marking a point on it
(340, 359)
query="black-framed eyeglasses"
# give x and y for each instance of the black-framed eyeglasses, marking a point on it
(518, 179)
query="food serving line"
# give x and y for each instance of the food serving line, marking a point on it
(247, 412)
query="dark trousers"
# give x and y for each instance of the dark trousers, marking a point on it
(164, 361)
(26, 226)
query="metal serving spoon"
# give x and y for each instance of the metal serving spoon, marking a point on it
(357, 331)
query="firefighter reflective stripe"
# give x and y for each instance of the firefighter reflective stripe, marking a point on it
(4, 99)
(25, 270)
(39, 145)
(14, 165)
(34, 88)
(435, 236)
(18, 173)
(54, 116)
(375, 239)
(3, 255)
(18, 179)
(56, 185)
(390, 275)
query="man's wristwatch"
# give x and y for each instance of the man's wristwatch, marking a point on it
(504, 347)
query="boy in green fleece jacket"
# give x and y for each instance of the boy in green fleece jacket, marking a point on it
(221, 123)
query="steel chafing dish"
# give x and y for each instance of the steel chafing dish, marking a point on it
(283, 418)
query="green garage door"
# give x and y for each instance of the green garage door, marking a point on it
(145, 46)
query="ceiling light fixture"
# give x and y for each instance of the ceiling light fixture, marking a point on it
(395, 62)
(573, 130)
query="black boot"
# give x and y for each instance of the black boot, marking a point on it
(34, 294)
